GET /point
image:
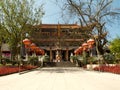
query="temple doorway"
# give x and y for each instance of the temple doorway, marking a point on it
(63, 55)
(59, 55)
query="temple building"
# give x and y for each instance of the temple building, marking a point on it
(60, 40)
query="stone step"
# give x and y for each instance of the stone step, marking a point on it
(59, 64)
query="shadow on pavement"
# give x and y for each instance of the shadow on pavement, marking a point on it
(60, 70)
(55, 70)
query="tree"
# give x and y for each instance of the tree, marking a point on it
(87, 12)
(18, 18)
(2, 37)
(115, 47)
(2, 33)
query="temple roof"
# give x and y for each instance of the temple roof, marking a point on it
(55, 26)
(72, 35)
(64, 26)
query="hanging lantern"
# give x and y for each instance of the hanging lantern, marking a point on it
(76, 51)
(42, 52)
(33, 46)
(37, 48)
(90, 43)
(80, 48)
(39, 52)
(27, 42)
(84, 45)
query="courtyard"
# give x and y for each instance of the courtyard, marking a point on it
(59, 45)
(60, 78)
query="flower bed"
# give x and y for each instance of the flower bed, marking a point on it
(112, 69)
(5, 70)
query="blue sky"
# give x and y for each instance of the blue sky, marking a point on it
(52, 16)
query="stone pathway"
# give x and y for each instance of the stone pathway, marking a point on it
(60, 79)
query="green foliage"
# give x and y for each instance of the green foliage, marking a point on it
(18, 16)
(5, 61)
(92, 60)
(15, 62)
(115, 47)
(78, 59)
(73, 57)
(109, 58)
(33, 60)
(46, 58)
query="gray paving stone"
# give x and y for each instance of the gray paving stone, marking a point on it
(60, 78)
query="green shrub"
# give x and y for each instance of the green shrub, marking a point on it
(14, 62)
(5, 61)
(33, 60)
(109, 58)
(93, 60)
(115, 47)
(46, 58)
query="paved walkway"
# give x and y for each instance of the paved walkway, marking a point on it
(60, 79)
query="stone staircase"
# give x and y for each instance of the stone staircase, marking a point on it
(59, 64)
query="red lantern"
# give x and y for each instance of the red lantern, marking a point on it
(39, 52)
(84, 45)
(27, 42)
(33, 46)
(80, 49)
(76, 51)
(37, 48)
(90, 42)
(42, 52)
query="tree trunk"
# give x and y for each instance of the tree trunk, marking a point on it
(0, 53)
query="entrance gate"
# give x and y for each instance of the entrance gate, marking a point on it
(63, 54)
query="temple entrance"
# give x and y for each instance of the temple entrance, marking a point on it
(63, 55)
(53, 55)
(59, 55)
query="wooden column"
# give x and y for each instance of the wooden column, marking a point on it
(51, 57)
(67, 54)
(58, 27)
